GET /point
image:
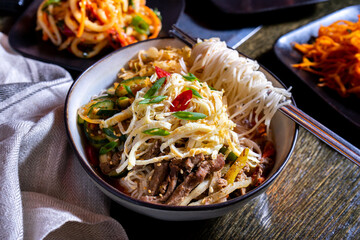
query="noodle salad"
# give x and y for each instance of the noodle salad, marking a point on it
(86, 27)
(184, 126)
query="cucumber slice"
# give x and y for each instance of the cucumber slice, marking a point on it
(103, 105)
(123, 102)
(80, 121)
(105, 113)
(135, 84)
(95, 135)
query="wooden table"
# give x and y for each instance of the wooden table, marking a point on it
(317, 196)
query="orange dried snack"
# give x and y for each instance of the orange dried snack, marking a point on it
(335, 57)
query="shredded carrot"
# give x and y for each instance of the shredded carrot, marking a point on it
(45, 19)
(82, 20)
(45, 37)
(156, 21)
(335, 57)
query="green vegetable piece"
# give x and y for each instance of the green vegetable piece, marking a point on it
(195, 93)
(231, 156)
(110, 132)
(103, 105)
(189, 115)
(140, 25)
(134, 84)
(128, 90)
(105, 113)
(190, 77)
(154, 88)
(123, 102)
(154, 99)
(114, 174)
(157, 132)
(123, 138)
(50, 2)
(93, 133)
(107, 147)
(80, 120)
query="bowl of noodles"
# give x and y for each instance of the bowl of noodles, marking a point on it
(177, 132)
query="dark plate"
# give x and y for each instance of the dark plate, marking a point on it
(24, 39)
(259, 6)
(348, 107)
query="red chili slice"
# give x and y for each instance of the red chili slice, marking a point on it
(161, 73)
(181, 102)
(91, 154)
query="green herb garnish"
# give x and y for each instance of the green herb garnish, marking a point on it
(154, 88)
(189, 115)
(153, 99)
(156, 131)
(107, 147)
(195, 93)
(128, 89)
(190, 77)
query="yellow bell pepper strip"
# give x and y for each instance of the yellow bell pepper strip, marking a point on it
(237, 166)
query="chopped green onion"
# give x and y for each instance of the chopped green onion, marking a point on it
(195, 93)
(231, 157)
(190, 77)
(140, 25)
(189, 115)
(110, 132)
(153, 99)
(128, 89)
(107, 147)
(154, 88)
(156, 131)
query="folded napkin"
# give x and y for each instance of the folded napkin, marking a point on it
(44, 192)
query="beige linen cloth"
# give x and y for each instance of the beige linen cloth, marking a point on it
(44, 192)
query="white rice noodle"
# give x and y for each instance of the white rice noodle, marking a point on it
(217, 196)
(250, 95)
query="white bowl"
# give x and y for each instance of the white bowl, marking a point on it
(101, 76)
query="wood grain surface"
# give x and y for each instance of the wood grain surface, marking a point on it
(317, 195)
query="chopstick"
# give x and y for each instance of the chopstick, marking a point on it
(319, 130)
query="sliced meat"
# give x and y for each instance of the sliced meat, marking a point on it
(151, 199)
(194, 178)
(171, 181)
(159, 175)
(108, 163)
(191, 162)
(154, 151)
